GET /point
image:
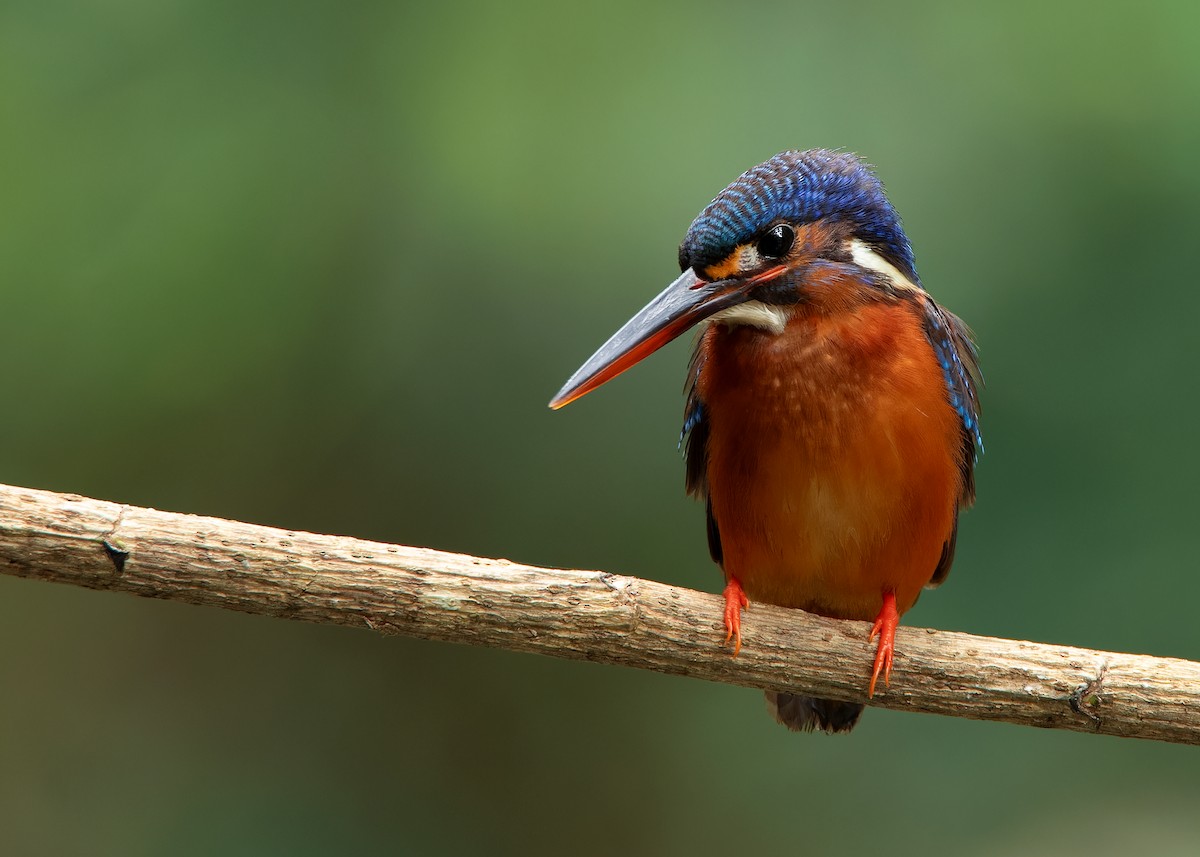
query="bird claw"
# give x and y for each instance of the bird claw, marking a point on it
(735, 600)
(885, 627)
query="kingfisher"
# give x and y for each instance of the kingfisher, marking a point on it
(831, 423)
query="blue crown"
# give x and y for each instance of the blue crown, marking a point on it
(799, 187)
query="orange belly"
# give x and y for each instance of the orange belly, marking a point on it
(834, 458)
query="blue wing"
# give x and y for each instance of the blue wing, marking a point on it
(956, 354)
(694, 440)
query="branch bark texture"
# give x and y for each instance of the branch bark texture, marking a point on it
(587, 615)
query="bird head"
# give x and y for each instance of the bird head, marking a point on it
(757, 249)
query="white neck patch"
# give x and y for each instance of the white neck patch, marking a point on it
(772, 319)
(865, 257)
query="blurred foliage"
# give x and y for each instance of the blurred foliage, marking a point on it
(321, 265)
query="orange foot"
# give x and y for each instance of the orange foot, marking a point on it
(735, 600)
(885, 627)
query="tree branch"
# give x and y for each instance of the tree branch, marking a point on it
(588, 615)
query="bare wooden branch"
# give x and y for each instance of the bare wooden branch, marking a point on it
(588, 615)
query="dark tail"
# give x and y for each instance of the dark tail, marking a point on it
(804, 713)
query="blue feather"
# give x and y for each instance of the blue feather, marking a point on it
(801, 187)
(956, 354)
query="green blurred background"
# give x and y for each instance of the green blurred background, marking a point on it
(321, 265)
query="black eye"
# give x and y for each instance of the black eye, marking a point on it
(776, 243)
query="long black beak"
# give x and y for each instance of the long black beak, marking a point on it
(682, 304)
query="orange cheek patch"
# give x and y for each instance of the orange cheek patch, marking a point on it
(730, 266)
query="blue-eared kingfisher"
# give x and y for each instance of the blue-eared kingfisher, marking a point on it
(832, 415)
